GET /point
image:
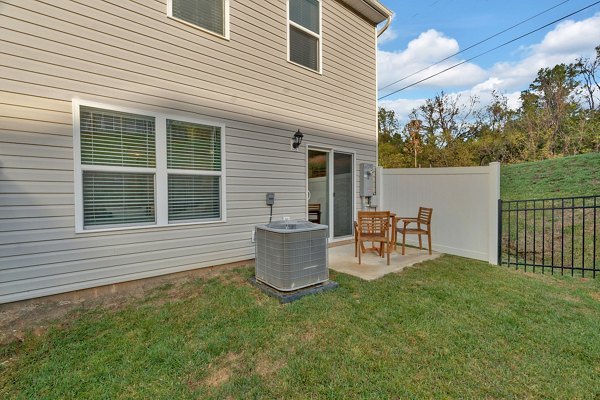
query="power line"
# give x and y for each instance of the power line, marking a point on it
(489, 51)
(476, 44)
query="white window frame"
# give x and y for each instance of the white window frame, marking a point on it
(161, 172)
(225, 20)
(291, 23)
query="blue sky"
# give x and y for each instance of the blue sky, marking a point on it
(425, 31)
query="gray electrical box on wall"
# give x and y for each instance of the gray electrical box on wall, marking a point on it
(270, 199)
(367, 179)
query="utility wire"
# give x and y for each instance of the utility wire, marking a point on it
(476, 44)
(489, 51)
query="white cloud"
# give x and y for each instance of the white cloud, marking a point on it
(564, 44)
(571, 37)
(387, 36)
(402, 107)
(421, 52)
(513, 100)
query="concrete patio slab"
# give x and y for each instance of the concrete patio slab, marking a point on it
(341, 259)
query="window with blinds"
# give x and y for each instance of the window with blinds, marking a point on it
(117, 198)
(193, 197)
(193, 146)
(207, 14)
(116, 138)
(194, 162)
(122, 175)
(305, 33)
(118, 157)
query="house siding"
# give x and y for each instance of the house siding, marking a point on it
(129, 54)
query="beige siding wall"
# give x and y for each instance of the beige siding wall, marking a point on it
(130, 54)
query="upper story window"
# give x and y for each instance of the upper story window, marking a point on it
(209, 15)
(304, 33)
(144, 169)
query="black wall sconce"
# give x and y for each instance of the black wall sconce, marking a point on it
(297, 139)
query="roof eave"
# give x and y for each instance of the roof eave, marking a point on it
(372, 10)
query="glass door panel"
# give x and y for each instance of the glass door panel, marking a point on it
(342, 194)
(318, 186)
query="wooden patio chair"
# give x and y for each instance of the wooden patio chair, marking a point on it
(423, 221)
(373, 226)
(356, 246)
(314, 213)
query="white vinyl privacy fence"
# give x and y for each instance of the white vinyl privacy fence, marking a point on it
(464, 202)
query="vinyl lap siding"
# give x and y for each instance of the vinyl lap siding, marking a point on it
(130, 54)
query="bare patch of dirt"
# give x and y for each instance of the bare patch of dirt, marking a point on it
(177, 292)
(569, 298)
(267, 367)
(220, 375)
(35, 315)
(233, 279)
(595, 296)
(309, 335)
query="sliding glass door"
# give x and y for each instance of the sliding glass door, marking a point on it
(330, 190)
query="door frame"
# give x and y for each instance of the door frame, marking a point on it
(330, 159)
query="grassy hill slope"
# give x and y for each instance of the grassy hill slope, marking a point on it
(561, 177)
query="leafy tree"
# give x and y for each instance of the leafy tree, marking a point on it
(550, 104)
(589, 71)
(497, 138)
(413, 138)
(390, 140)
(559, 115)
(447, 123)
(388, 125)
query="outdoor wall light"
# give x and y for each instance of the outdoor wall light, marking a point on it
(297, 140)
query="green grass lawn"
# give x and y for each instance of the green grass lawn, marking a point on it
(560, 177)
(450, 328)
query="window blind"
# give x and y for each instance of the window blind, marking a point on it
(193, 146)
(305, 13)
(208, 14)
(115, 138)
(304, 48)
(117, 198)
(194, 197)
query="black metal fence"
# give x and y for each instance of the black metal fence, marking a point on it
(550, 235)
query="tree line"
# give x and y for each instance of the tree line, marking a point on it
(559, 115)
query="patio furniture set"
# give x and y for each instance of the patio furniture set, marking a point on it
(382, 227)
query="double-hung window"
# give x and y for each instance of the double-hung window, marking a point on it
(194, 171)
(209, 15)
(143, 169)
(304, 33)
